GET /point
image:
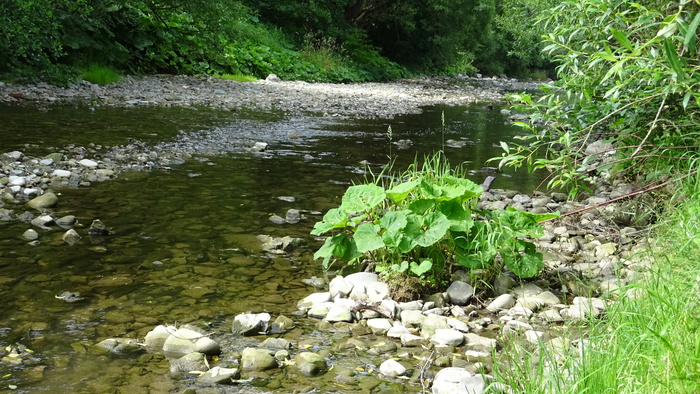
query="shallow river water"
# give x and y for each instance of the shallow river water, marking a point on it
(184, 246)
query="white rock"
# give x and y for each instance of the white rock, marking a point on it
(339, 287)
(156, 338)
(579, 312)
(412, 318)
(30, 234)
(454, 380)
(377, 291)
(532, 303)
(447, 337)
(520, 311)
(313, 299)
(526, 290)
(587, 302)
(250, 323)
(392, 368)
(457, 324)
(548, 298)
(410, 340)
(479, 343)
(504, 301)
(88, 163)
(16, 180)
(516, 326)
(338, 313)
(379, 326)
(61, 173)
(533, 336)
(397, 330)
(362, 278)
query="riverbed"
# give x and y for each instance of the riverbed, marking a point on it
(183, 242)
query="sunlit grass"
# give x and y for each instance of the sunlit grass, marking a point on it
(237, 77)
(100, 75)
(649, 340)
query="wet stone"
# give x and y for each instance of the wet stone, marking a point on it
(310, 364)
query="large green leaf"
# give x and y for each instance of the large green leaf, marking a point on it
(420, 269)
(672, 59)
(339, 246)
(522, 259)
(520, 224)
(334, 218)
(399, 192)
(428, 229)
(420, 206)
(461, 188)
(460, 219)
(367, 238)
(362, 198)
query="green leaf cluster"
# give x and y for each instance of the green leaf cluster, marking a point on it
(426, 224)
(628, 73)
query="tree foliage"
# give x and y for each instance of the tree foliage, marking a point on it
(338, 40)
(629, 74)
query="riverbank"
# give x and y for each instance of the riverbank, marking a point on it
(367, 100)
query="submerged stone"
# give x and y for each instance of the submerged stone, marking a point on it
(310, 364)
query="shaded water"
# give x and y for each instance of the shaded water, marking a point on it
(184, 247)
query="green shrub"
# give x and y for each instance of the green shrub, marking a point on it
(426, 224)
(629, 79)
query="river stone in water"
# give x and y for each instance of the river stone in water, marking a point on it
(71, 236)
(458, 381)
(339, 313)
(253, 359)
(339, 287)
(189, 362)
(310, 364)
(185, 341)
(46, 200)
(250, 323)
(156, 337)
(120, 345)
(448, 337)
(392, 368)
(30, 234)
(281, 325)
(219, 375)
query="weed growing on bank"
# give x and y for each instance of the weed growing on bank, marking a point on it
(100, 75)
(649, 339)
(237, 77)
(421, 225)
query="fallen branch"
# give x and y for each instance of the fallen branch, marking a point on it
(628, 195)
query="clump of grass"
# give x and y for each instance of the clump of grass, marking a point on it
(100, 75)
(237, 77)
(649, 341)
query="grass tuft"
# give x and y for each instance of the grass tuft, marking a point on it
(100, 75)
(237, 77)
(649, 341)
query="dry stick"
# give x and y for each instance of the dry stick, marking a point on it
(599, 121)
(638, 192)
(651, 128)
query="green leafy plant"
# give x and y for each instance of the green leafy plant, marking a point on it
(630, 83)
(425, 224)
